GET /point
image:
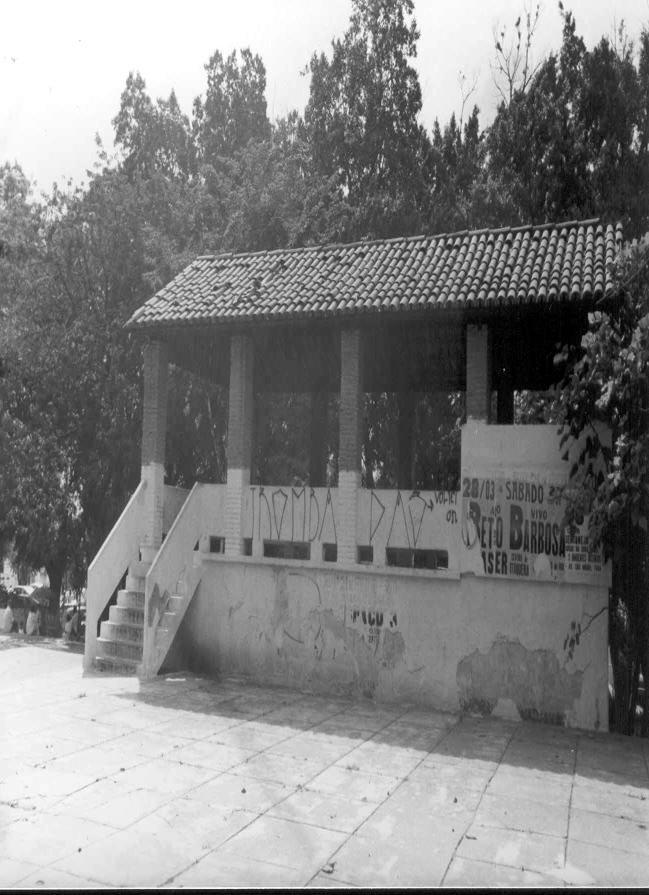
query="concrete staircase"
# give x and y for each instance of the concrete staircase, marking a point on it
(119, 645)
(121, 638)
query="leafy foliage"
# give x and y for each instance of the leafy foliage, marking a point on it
(606, 389)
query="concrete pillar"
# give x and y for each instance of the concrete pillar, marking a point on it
(349, 453)
(239, 446)
(478, 373)
(154, 430)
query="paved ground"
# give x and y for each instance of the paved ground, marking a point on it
(186, 781)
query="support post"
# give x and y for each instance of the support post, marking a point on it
(478, 373)
(349, 454)
(239, 446)
(154, 430)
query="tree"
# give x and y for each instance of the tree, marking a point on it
(152, 137)
(272, 196)
(571, 141)
(234, 109)
(607, 382)
(361, 118)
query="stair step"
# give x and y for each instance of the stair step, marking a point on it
(135, 583)
(120, 615)
(139, 569)
(122, 632)
(130, 599)
(119, 649)
(116, 666)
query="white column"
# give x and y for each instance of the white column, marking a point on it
(349, 453)
(239, 446)
(154, 430)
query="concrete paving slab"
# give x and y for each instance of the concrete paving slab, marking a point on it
(481, 874)
(607, 867)
(275, 840)
(618, 800)
(130, 860)
(531, 851)
(381, 758)
(148, 744)
(241, 792)
(12, 871)
(324, 880)
(409, 736)
(356, 783)
(95, 762)
(281, 768)
(44, 783)
(192, 726)
(470, 773)
(531, 784)
(209, 754)
(254, 737)
(307, 744)
(84, 801)
(426, 792)
(125, 808)
(196, 822)
(610, 832)
(54, 880)
(233, 871)
(515, 813)
(364, 861)
(332, 811)
(54, 840)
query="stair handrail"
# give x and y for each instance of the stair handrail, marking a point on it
(119, 550)
(174, 559)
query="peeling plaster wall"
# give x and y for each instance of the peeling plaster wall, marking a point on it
(450, 643)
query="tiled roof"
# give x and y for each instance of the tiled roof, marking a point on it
(486, 268)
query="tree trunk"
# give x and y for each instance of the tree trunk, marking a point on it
(55, 574)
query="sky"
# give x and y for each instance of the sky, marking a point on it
(63, 65)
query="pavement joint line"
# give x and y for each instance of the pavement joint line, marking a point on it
(266, 811)
(506, 866)
(380, 804)
(475, 810)
(619, 848)
(296, 789)
(572, 790)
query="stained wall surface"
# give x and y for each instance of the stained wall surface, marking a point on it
(515, 625)
(467, 643)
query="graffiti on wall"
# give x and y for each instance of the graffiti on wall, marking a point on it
(513, 528)
(286, 513)
(372, 621)
(412, 519)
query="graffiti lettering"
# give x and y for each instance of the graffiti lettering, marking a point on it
(291, 514)
(374, 617)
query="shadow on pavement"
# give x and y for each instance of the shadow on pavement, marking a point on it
(481, 745)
